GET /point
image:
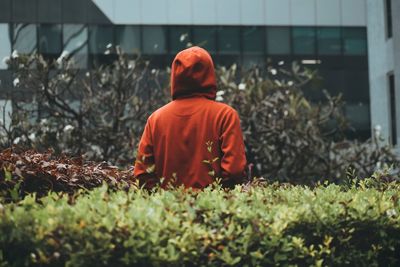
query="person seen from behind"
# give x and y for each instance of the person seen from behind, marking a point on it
(193, 140)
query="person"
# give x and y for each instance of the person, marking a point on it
(193, 140)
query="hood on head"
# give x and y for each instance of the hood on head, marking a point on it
(192, 74)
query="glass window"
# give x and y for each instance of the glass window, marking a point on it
(50, 39)
(75, 42)
(179, 38)
(278, 41)
(49, 11)
(303, 40)
(229, 40)
(354, 41)
(5, 45)
(205, 36)
(100, 37)
(24, 10)
(389, 21)
(329, 41)
(253, 40)
(154, 40)
(24, 38)
(5, 10)
(128, 38)
(74, 11)
(392, 96)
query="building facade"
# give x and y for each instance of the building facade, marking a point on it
(329, 35)
(384, 65)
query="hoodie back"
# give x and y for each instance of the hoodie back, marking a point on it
(193, 139)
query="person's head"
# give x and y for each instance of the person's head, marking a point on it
(192, 74)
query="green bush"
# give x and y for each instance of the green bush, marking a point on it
(264, 225)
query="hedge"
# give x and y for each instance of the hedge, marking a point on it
(269, 225)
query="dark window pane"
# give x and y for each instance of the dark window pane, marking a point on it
(154, 40)
(389, 21)
(74, 11)
(49, 11)
(356, 86)
(303, 40)
(253, 40)
(278, 41)
(206, 37)
(100, 37)
(229, 40)
(75, 42)
(24, 10)
(393, 120)
(355, 41)
(5, 10)
(5, 81)
(329, 41)
(24, 38)
(50, 38)
(128, 38)
(5, 44)
(179, 38)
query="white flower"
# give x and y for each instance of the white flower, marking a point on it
(285, 113)
(290, 83)
(220, 93)
(219, 98)
(183, 37)
(109, 45)
(14, 54)
(16, 82)
(68, 128)
(274, 71)
(280, 63)
(5, 60)
(153, 71)
(87, 74)
(32, 136)
(63, 55)
(107, 52)
(242, 86)
(17, 140)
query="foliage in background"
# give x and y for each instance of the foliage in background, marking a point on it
(101, 114)
(262, 225)
(290, 138)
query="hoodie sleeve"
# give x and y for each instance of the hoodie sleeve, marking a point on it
(233, 162)
(144, 169)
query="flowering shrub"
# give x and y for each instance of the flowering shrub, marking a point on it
(101, 115)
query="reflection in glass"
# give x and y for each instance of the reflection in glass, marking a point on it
(179, 38)
(100, 37)
(253, 40)
(205, 36)
(278, 41)
(128, 38)
(5, 44)
(354, 41)
(329, 41)
(303, 40)
(24, 38)
(50, 39)
(75, 42)
(229, 40)
(154, 40)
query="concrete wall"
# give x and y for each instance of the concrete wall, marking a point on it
(384, 58)
(236, 12)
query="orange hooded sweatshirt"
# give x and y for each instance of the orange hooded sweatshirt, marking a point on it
(193, 139)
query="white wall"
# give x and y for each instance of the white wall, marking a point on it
(236, 12)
